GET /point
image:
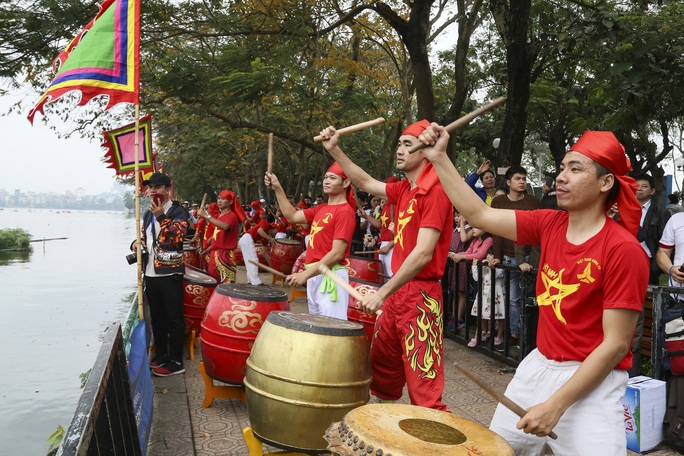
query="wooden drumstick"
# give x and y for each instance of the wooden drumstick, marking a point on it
(498, 396)
(384, 275)
(270, 153)
(351, 290)
(463, 121)
(269, 269)
(204, 200)
(353, 128)
(361, 252)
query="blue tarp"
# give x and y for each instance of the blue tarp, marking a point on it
(141, 383)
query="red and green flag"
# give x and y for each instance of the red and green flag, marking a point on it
(104, 59)
(120, 147)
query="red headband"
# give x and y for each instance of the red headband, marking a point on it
(604, 148)
(417, 128)
(235, 207)
(335, 168)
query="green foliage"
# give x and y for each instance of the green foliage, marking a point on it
(84, 377)
(14, 239)
(55, 439)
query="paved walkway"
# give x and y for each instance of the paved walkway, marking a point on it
(182, 427)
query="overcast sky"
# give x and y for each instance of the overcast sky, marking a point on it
(34, 158)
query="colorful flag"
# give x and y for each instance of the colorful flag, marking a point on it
(120, 147)
(104, 59)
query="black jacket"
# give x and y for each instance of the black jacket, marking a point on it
(651, 231)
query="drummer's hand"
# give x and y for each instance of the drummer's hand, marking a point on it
(271, 181)
(297, 279)
(330, 138)
(391, 227)
(372, 302)
(540, 419)
(436, 138)
(202, 213)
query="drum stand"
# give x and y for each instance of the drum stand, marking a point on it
(278, 279)
(193, 342)
(294, 293)
(256, 448)
(219, 391)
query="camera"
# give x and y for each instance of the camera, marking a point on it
(133, 257)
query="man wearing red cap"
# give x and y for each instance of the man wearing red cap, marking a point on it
(222, 264)
(591, 283)
(407, 345)
(332, 227)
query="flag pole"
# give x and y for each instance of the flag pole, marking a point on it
(137, 213)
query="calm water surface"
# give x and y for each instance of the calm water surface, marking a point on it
(55, 304)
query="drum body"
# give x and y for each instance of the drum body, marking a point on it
(305, 372)
(367, 269)
(359, 316)
(198, 286)
(284, 253)
(407, 430)
(299, 263)
(233, 317)
(191, 256)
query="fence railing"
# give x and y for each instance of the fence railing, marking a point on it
(104, 421)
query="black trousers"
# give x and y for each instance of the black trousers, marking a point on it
(165, 298)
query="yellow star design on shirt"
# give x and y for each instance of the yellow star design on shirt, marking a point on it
(317, 226)
(586, 275)
(556, 290)
(383, 220)
(402, 221)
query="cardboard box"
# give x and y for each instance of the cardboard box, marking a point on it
(644, 411)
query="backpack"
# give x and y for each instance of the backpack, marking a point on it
(673, 423)
(671, 334)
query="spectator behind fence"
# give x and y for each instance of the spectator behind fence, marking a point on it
(488, 179)
(460, 240)
(673, 205)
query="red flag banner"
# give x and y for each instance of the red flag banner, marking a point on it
(120, 147)
(104, 59)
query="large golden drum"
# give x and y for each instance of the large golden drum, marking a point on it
(409, 430)
(233, 318)
(305, 372)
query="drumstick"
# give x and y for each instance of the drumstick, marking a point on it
(353, 128)
(384, 275)
(269, 269)
(361, 252)
(204, 200)
(498, 396)
(351, 290)
(270, 153)
(463, 121)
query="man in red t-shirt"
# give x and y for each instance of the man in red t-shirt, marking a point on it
(257, 237)
(331, 230)
(222, 264)
(407, 345)
(592, 279)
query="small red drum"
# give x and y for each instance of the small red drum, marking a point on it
(359, 316)
(407, 430)
(232, 320)
(299, 263)
(198, 287)
(365, 268)
(284, 253)
(190, 256)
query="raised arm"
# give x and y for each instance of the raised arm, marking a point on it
(469, 204)
(356, 174)
(291, 214)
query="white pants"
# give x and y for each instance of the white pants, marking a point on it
(592, 426)
(280, 235)
(246, 244)
(386, 260)
(320, 303)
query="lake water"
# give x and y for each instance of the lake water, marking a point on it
(55, 304)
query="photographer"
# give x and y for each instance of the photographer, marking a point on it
(165, 224)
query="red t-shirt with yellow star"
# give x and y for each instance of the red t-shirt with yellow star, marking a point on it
(575, 283)
(328, 222)
(254, 232)
(385, 220)
(227, 239)
(414, 210)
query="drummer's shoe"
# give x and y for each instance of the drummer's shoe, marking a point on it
(159, 361)
(170, 368)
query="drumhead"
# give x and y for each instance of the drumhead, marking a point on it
(251, 292)
(197, 276)
(288, 241)
(315, 324)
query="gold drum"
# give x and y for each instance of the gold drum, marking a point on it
(304, 373)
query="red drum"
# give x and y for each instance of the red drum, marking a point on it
(190, 256)
(232, 320)
(198, 287)
(359, 316)
(284, 253)
(299, 263)
(240, 260)
(365, 268)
